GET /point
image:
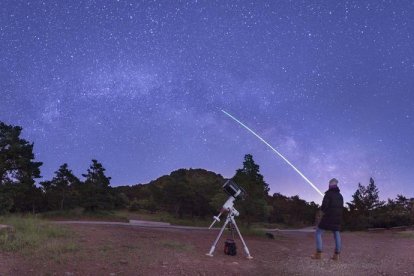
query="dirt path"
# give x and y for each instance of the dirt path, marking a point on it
(123, 250)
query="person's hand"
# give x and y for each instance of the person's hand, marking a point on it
(318, 217)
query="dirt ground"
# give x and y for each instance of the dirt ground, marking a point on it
(126, 250)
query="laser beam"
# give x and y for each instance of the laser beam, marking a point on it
(274, 150)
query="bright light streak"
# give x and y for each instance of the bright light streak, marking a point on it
(274, 150)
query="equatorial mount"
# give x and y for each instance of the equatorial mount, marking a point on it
(234, 191)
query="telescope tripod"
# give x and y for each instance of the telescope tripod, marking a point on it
(229, 220)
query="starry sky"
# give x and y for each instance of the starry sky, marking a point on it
(139, 86)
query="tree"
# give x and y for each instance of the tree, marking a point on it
(366, 199)
(397, 212)
(59, 191)
(121, 201)
(18, 170)
(365, 208)
(95, 191)
(254, 207)
(6, 199)
(185, 192)
(179, 195)
(292, 210)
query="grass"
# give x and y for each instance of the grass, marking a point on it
(31, 234)
(407, 234)
(57, 250)
(80, 214)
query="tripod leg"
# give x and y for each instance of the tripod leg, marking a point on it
(213, 247)
(241, 238)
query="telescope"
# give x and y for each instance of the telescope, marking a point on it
(235, 192)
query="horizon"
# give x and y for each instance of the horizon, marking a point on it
(318, 199)
(138, 86)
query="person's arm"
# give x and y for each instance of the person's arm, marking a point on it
(325, 203)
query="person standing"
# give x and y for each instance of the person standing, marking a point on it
(332, 209)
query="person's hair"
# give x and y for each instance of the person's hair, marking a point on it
(334, 181)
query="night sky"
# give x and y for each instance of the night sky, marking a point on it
(139, 86)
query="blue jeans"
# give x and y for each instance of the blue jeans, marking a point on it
(337, 237)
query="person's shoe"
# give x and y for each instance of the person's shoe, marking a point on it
(317, 256)
(335, 257)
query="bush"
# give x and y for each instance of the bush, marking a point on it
(134, 205)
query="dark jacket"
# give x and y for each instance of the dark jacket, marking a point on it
(332, 208)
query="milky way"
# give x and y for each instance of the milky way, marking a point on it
(139, 86)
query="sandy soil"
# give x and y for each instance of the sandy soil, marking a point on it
(126, 250)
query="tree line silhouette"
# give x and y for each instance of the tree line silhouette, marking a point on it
(185, 193)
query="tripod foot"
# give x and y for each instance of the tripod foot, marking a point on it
(210, 255)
